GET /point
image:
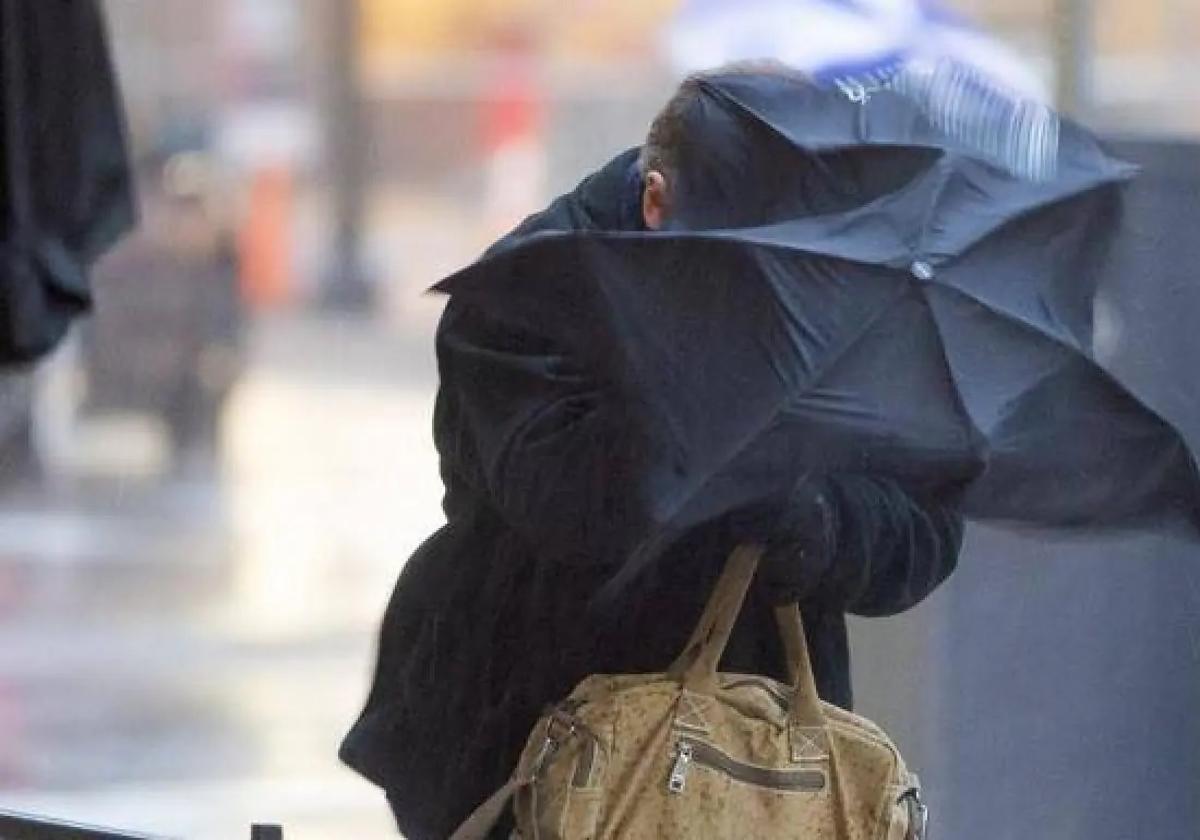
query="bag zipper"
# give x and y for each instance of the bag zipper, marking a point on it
(683, 760)
(689, 751)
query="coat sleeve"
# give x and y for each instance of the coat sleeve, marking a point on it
(551, 447)
(893, 548)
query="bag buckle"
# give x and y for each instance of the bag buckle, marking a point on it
(560, 726)
(918, 815)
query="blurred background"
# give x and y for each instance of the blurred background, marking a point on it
(207, 494)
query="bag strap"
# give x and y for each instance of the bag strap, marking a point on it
(805, 711)
(484, 818)
(696, 666)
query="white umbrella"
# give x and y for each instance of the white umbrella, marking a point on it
(971, 86)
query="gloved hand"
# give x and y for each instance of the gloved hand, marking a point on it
(802, 545)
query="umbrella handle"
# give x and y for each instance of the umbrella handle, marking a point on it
(696, 666)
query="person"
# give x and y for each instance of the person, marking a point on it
(492, 619)
(166, 338)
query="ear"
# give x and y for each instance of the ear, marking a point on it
(655, 200)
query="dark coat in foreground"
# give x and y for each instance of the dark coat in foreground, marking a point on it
(495, 617)
(66, 193)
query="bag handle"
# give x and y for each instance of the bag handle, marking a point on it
(696, 666)
(805, 710)
(696, 669)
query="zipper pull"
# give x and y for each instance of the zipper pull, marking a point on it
(683, 759)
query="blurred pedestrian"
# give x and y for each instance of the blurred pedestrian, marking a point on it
(167, 334)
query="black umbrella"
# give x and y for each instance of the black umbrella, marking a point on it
(65, 186)
(926, 317)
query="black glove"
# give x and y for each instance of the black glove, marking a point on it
(802, 544)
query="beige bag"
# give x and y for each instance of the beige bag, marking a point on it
(696, 754)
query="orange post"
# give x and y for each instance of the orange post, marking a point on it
(266, 240)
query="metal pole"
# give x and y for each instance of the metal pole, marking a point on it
(346, 286)
(1073, 56)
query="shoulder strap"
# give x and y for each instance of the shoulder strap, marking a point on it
(484, 818)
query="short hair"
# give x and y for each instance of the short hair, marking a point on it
(669, 130)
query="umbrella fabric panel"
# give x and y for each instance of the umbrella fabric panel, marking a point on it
(1107, 464)
(963, 198)
(1067, 444)
(741, 366)
(738, 173)
(720, 364)
(887, 407)
(1045, 268)
(974, 201)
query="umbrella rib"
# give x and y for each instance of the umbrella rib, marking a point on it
(959, 403)
(1119, 173)
(754, 434)
(1084, 355)
(737, 236)
(850, 344)
(767, 121)
(943, 172)
(1018, 320)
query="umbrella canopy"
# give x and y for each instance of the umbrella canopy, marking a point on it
(65, 188)
(935, 329)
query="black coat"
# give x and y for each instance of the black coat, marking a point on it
(493, 617)
(66, 192)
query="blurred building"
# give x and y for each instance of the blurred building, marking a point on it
(478, 112)
(1136, 58)
(474, 112)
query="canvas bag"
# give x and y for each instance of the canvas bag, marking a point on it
(693, 753)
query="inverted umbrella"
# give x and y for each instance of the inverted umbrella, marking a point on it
(935, 329)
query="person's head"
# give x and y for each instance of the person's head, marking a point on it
(186, 191)
(676, 127)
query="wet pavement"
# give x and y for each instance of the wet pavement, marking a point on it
(180, 654)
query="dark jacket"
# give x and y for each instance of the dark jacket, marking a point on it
(494, 617)
(66, 190)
